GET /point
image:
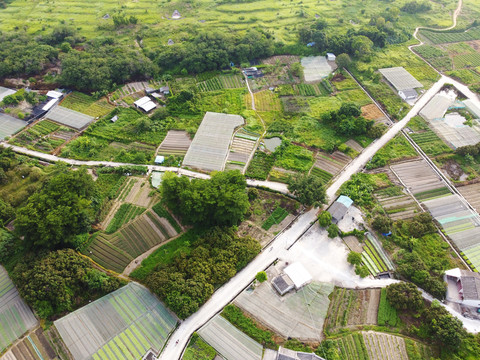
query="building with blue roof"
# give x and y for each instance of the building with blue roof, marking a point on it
(339, 208)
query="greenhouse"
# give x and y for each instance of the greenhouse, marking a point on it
(124, 324)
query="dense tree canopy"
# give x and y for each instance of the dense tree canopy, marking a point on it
(308, 189)
(60, 281)
(190, 279)
(59, 211)
(221, 200)
(347, 120)
(405, 296)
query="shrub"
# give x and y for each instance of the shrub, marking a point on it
(261, 276)
(333, 231)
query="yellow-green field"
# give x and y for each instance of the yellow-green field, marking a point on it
(280, 18)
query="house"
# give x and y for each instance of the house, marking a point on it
(283, 284)
(287, 354)
(145, 104)
(252, 72)
(170, 42)
(156, 96)
(339, 208)
(331, 57)
(463, 287)
(106, 17)
(408, 94)
(149, 90)
(176, 15)
(165, 90)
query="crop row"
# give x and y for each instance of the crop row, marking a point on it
(210, 85)
(108, 255)
(448, 37)
(466, 60)
(276, 217)
(430, 194)
(162, 212)
(387, 314)
(322, 174)
(352, 347)
(231, 82)
(425, 137)
(306, 90)
(124, 214)
(260, 165)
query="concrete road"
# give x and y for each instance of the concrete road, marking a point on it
(282, 242)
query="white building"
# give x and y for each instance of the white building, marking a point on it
(331, 57)
(54, 94)
(145, 104)
(463, 287)
(298, 274)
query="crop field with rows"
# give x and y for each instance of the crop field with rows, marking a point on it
(276, 218)
(322, 174)
(374, 258)
(260, 165)
(210, 85)
(382, 346)
(352, 308)
(125, 213)
(467, 60)
(430, 143)
(307, 90)
(265, 100)
(87, 104)
(449, 37)
(387, 314)
(352, 347)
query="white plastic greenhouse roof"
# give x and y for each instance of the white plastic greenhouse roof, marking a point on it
(54, 94)
(438, 106)
(209, 148)
(298, 274)
(400, 78)
(473, 108)
(142, 101)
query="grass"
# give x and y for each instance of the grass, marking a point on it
(199, 350)
(235, 316)
(276, 218)
(387, 314)
(395, 150)
(166, 253)
(295, 158)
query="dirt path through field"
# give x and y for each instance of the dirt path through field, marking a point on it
(372, 311)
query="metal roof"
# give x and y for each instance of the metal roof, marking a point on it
(473, 108)
(10, 125)
(400, 78)
(54, 94)
(49, 104)
(148, 106)
(345, 200)
(142, 101)
(209, 148)
(437, 107)
(68, 117)
(283, 284)
(6, 92)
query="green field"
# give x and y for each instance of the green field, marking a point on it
(387, 314)
(87, 104)
(276, 218)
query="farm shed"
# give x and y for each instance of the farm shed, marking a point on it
(70, 118)
(159, 159)
(145, 104)
(176, 14)
(127, 322)
(473, 108)
(339, 208)
(408, 94)
(331, 57)
(6, 92)
(16, 318)
(49, 104)
(10, 125)
(114, 119)
(463, 287)
(252, 72)
(209, 148)
(283, 284)
(165, 90)
(298, 274)
(230, 342)
(54, 94)
(400, 78)
(438, 106)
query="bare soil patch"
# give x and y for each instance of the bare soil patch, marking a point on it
(282, 59)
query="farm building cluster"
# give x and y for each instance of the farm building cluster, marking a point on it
(403, 82)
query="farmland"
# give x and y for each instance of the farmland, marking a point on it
(373, 256)
(327, 166)
(437, 37)
(87, 104)
(34, 346)
(396, 203)
(276, 218)
(351, 309)
(387, 314)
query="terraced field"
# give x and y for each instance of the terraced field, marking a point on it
(352, 347)
(175, 143)
(352, 308)
(33, 347)
(328, 165)
(397, 204)
(241, 149)
(116, 251)
(382, 346)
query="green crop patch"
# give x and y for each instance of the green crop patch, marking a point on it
(275, 218)
(387, 314)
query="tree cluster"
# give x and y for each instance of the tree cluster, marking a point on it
(472, 150)
(100, 66)
(221, 200)
(21, 55)
(190, 279)
(308, 189)
(59, 211)
(347, 120)
(415, 7)
(214, 50)
(60, 281)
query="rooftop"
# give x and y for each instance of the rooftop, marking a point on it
(298, 274)
(400, 78)
(282, 284)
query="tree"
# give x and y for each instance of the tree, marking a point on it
(324, 219)
(354, 258)
(362, 46)
(362, 271)
(445, 329)
(221, 200)
(59, 211)
(343, 61)
(333, 231)
(382, 223)
(261, 276)
(308, 189)
(405, 296)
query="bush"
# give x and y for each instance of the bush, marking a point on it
(354, 258)
(324, 219)
(261, 276)
(404, 296)
(333, 231)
